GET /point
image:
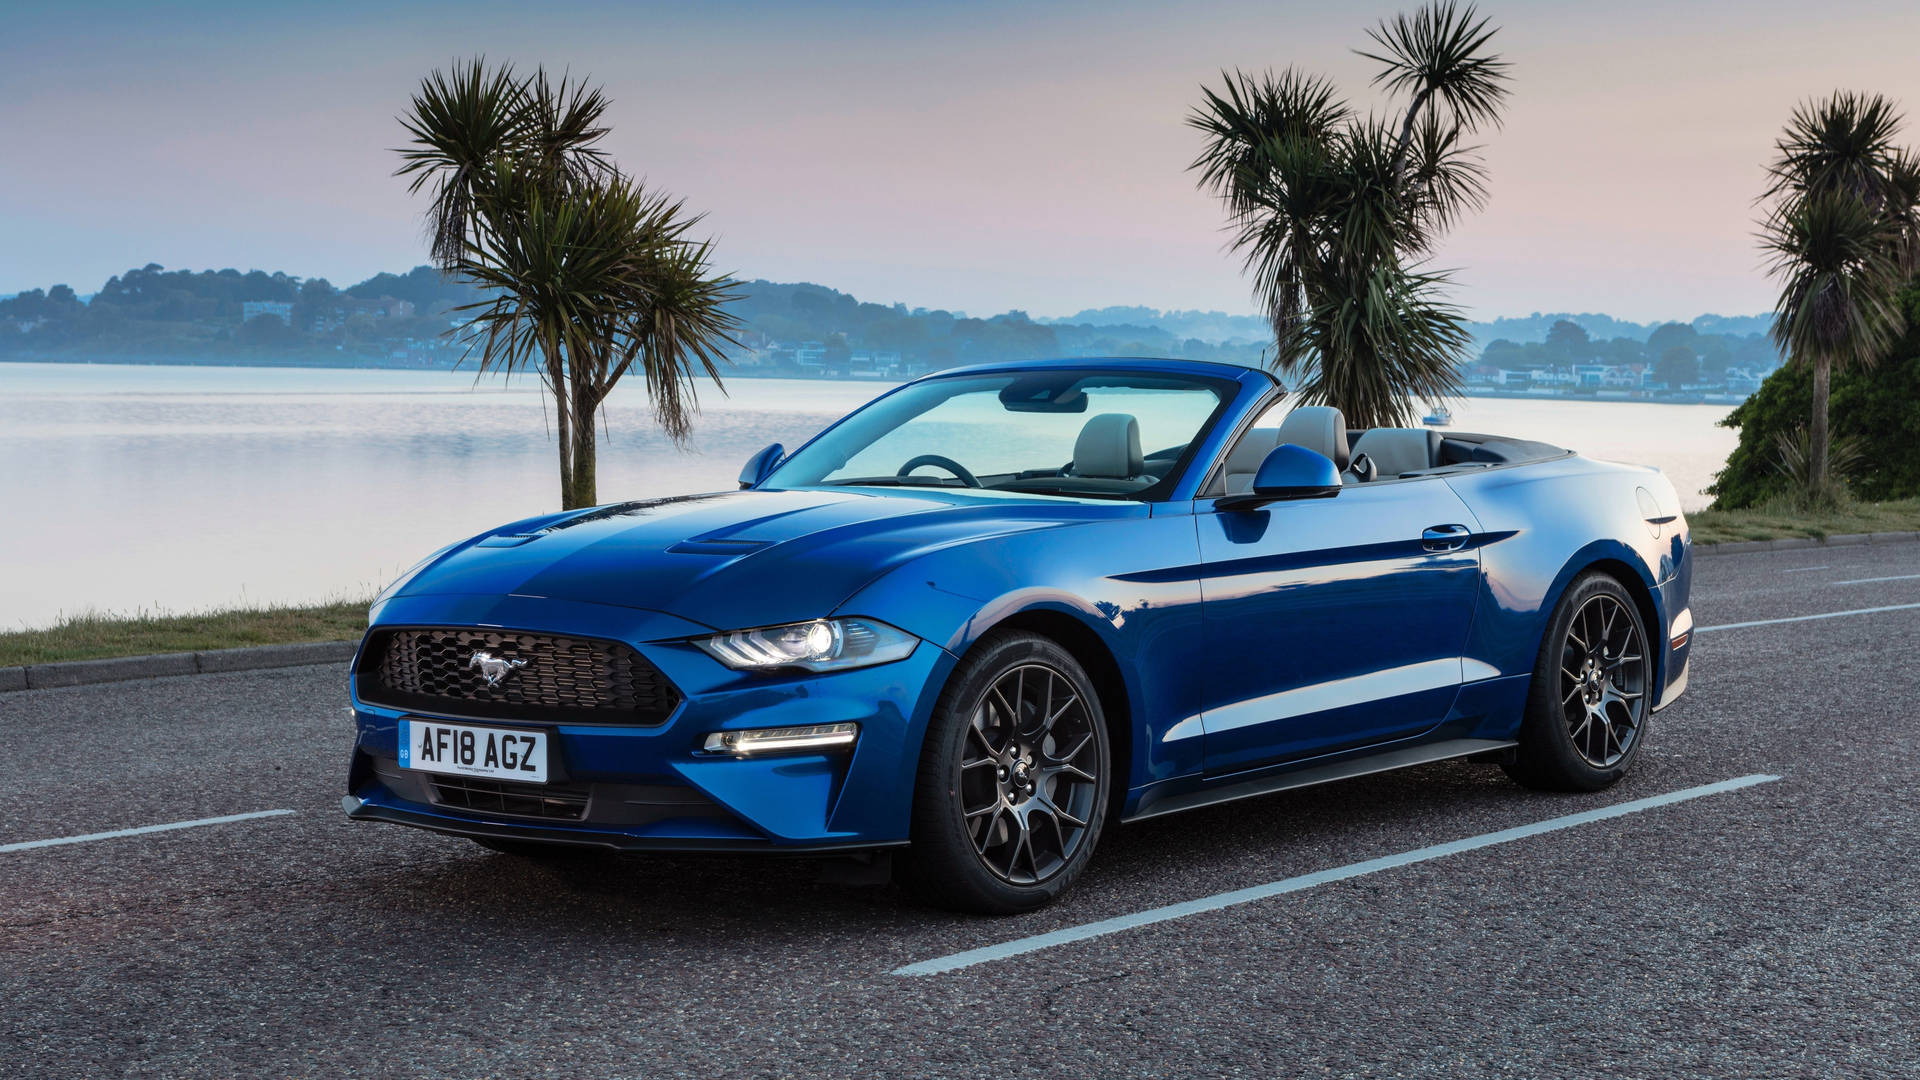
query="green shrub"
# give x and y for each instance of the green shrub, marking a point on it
(1878, 410)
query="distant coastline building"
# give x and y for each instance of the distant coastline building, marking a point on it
(253, 309)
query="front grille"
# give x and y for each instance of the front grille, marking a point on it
(517, 800)
(553, 678)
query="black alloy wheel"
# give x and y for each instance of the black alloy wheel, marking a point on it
(1592, 691)
(1029, 774)
(1014, 780)
(1603, 681)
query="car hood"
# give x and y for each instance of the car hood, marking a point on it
(734, 559)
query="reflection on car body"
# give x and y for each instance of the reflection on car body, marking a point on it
(1000, 608)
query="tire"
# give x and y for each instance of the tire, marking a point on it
(1013, 782)
(539, 850)
(1591, 697)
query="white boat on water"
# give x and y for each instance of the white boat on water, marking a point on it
(1441, 416)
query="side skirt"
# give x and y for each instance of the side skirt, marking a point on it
(1310, 775)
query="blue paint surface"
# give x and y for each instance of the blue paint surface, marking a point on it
(1231, 643)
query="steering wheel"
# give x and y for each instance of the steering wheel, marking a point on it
(944, 462)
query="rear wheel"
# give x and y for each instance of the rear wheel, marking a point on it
(1013, 781)
(1588, 706)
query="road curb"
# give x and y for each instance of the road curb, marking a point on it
(211, 661)
(1797, 543)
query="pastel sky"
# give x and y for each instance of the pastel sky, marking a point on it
(980, 156)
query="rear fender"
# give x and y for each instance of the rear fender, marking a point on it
(1550, 522)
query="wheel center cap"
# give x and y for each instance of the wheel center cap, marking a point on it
(1022, 774)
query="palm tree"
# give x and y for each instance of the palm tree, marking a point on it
(1333, 212)
(585, 274)
(1842, 234)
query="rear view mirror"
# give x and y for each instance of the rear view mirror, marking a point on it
(1288, 472)
(1043, 395)
(761, 465)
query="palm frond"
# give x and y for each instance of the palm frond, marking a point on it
(1376, 342)
(1835, 259)
(1843, 143)
(1903, 207)
(1447, 178)
(1794, 457)
(584, 273)
(1440, 52)
(1377, 212)
(1327, 208)
(682, 333)
(563, 127)
(460, 121)
(1251, 120)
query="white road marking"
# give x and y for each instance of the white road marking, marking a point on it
(1805, 618)
(1307, 881)
(141, 831)
(1870, 580)
(1804, 569)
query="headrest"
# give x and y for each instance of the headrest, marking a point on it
(1109, 446)
(1398, 450)
(1319, 428)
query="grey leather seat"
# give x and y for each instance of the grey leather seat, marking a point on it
(1244, 461)
(1109, 448)
(1320, 428)
(1394, 451)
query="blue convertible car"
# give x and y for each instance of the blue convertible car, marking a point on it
(1002, 608)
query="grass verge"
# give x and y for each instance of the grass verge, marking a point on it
(97, 636)
(1782, 519)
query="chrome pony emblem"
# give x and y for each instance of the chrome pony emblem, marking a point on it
(493, 668)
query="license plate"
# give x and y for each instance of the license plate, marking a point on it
(496, 753)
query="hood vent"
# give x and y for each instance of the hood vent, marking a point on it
(700, 546)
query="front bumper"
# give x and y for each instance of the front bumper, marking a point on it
(654, 788)
(1678, 645)
(360, 809)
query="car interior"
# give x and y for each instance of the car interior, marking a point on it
(1107, 461)
(1372, 455)
(1108, 458)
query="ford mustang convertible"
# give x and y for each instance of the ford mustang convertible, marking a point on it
(1003, 608)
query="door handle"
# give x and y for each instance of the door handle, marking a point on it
(1445, 537)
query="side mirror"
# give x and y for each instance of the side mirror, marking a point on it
(1289, 472)
(761, 465)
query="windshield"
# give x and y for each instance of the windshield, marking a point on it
(1098, 434)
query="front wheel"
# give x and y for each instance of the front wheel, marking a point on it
(1588, 706)
(1013, 782)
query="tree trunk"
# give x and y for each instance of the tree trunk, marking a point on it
(557, 381)
(585, 484)
(1405, 141)
(1817, 435)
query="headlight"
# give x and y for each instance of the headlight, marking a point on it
(820, 645)
(776, 740)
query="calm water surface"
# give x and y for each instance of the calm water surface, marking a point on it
(181, 488)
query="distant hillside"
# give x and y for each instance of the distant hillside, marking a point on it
(1214, 326)
(1218, 326)
(155, 315)
(781, 317)
(1528, 329)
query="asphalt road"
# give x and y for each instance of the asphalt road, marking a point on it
(1768, 931)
